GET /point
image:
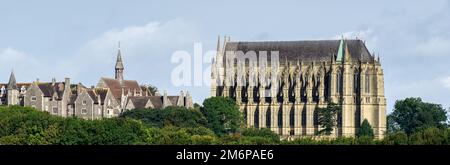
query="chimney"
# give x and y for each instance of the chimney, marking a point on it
(67, 83)
(165, 100)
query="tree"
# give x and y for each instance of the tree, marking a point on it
(28, 126)
(222, 115)
(365, 129)
(259, 136)
(169, 116)
(412, 114)
(396, 138)
(430, 136)
(328, 118)
(392, 126)
(152, 89)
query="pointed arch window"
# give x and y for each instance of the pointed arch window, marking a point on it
(367, 83)
(338, 83)
(355, 82)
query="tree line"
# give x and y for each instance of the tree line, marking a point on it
(217, 121)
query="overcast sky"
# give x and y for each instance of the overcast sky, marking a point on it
(78, 39)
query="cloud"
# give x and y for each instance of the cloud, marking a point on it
(145, 48)
(367, 35)
(436, 46)
(19, 61)
(445, 82)
(146, 51)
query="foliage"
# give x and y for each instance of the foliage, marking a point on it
(397, 138)
(179, 136)
(169, 116)
(392, 126)
(412, 114)
(430, 136)
(328, 118)
(152, 89)
(23, 125)
(181, 126)
(365, 130)
(222, 114)
(261, 136)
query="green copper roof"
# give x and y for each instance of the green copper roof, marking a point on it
(340, 54)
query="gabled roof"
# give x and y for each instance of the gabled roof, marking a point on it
(102, 94)
(173, 99)
(72, 98)
(12, 84)
(92, 95)
(308, 51)
(139, 102)
(156, 101)
(116, 87)
(48, 89)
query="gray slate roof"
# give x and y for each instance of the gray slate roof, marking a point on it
(307, 51)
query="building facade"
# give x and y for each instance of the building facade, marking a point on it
(13, 93)
(279, 84)
(109, 98)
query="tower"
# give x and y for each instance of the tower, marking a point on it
(13, 92)
(119, 66)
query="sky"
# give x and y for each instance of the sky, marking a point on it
(78, 39)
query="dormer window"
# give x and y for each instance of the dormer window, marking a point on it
(84, 102)
(23, 89)
(2, 90)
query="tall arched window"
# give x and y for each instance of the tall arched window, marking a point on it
(367, 83)
(338, 83)
(355, 82)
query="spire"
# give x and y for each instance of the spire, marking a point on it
(218, 43)
(12, 84)
(119, 64)
(347, 55)
(340, 53)
(378, 58)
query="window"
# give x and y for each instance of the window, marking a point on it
(23, 89)
(55, 109)
(338, 83)
(355, 83)
(33, 98)
(83, 111)
(84, 102)
(367, 84)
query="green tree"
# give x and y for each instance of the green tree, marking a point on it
(365, 129)
(222, 115)
(397, 138)
(328, 118)
(412, 114)
(152, 89)
(169, 116)
(430, 136)
(392, 126)
(263, 136)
